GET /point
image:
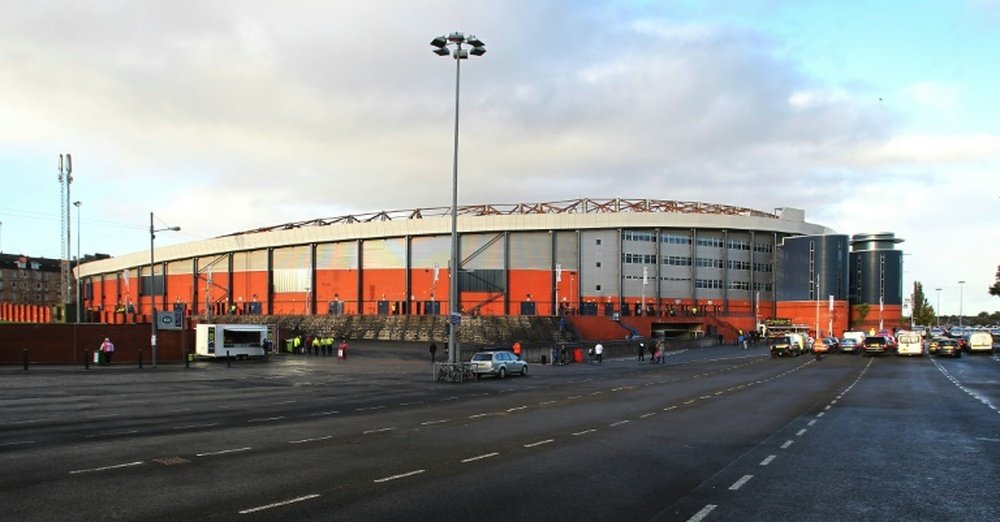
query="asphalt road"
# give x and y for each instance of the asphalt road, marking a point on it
(712, 434)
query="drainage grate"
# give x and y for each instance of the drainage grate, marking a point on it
(171, 461)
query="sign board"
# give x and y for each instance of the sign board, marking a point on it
(455, 318)
(169, 319)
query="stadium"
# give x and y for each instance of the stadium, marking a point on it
(649, 262)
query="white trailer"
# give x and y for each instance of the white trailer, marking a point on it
(240, 341)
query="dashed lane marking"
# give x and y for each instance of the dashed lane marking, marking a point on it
(546, 403)
(17, 443)
(377, 430)
(517, 408)
(647, 415)
(739, 483)
(479, 457)
(401, 475)
(619, 423)
(584, 432)
(267, 419)
(311, 439)
(768, 460)
(278, 504)
(196, 426)
(322, 413)
(369, 408)
(223, 452)
(787, 444)
(105, 468)
(668, 408)
(811, 422)
(700, 515)
(429, 423)
(800, 432)
(539, 443)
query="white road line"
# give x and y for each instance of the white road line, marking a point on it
(428, 423)
(479, 457)
(619, 423)
(369, 408)
(820, 414)
(194, 426)
(290, 401)
(703, 397)
(29, 421)
(312, 439)
(516, 408)
(539, 443)
(223, 452)
(827, 407)
(584, 432)
(401, 475)
(105, 468)
(17, 443)
(452, 398)
(647, 415)
(768, 460)
(787, 444)
(377, 430)
(546, 403)
(322, 413)
(478, 415)
(690, 401)
(739, 483)
(800, 432)
(267, 419)
(572, 397)
(182, 410)
(410, 403)
(668, 408)
(277, 504)
(811, 422)
(700, 515)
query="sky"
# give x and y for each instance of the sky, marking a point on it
(224, 116)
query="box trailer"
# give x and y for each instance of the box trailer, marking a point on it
(240, 341)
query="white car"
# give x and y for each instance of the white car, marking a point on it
(499, 363)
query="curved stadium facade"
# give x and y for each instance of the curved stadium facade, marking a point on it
(613, 257)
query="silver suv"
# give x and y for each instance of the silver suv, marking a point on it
(499, 363)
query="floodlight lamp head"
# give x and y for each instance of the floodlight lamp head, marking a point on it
(456, 37)
(439, 42)
(461, 54)
(478, 50)
(442, 51)
(475, 42)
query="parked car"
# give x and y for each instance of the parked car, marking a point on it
(933, 343)
(875, 345)
(829, 344)
(785, 345)
(948, 347)
(849, 345)
(500, 363)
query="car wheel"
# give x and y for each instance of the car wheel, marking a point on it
(524, 370)
(502, 373)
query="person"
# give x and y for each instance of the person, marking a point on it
(555, 355)
(642, 352)
(599, 352)
(659, 352)
(562, 354)
(108, 348)
(517, 349)
(433, 350)
(342, 350)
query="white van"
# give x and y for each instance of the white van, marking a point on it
(909, 343)
(979, 342)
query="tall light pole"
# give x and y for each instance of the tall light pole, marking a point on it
(152, 281)
(961, 287)
(937, 311)
(77, 204)
(441, 44)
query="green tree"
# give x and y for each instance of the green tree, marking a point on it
(995, 289)
(862, 310)
(922, 311)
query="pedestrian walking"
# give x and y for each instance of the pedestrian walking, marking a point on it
(599, 352)
(642, 352)
(433, 349)
(342, 350)
(108, 349)
(517, 349)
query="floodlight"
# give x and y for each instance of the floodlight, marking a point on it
(439, 41)
(478, 50)
(442, 51)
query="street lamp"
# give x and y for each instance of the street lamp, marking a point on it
(152, 280)
(937, 311)
(77, 204)
(441, 44)
(961, 287)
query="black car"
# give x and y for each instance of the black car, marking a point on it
(875, 345)
(949, 347)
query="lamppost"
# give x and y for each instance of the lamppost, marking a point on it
(937, 310)
(77, 204)
(961, 287)
(152, 280)
(459, 53)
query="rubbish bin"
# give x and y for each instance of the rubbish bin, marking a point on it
(545, 360)
(288, 345)
(97, 356)
(578, 355)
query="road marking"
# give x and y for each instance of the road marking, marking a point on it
(546, 403)
(313, 439)
(290, 401)
(539, 443)
(322, 413)
(17, 443)
(787, 444)
(619, 423)
(647, 415)
(516, 408)
(278, 504)
(584, 432)
(703, 397)
(182, 410)
(479, 457)
(800, 432)
(668, 408)
(820, 414)
(690, 401)
(267, 419)
(452, 398)
(739, 483)
(410, 403)
(768, 460)
(428, 423)
(699, 516)
(574, 397)
(194, 426)
(401, 475)
(476, 416)
(105, 468)
(223, 452)
(369, 408)
(377, 430)
(827, 407)
(811, 422)
(29, 421)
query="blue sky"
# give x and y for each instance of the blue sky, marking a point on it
(222, 116)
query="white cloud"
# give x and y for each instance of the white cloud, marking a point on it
(932, 94)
